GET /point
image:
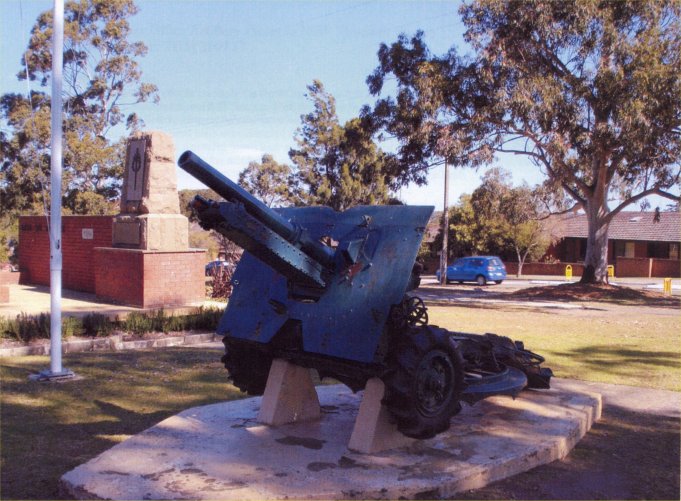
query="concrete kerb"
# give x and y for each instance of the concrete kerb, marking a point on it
(219, 451)
(111, 343)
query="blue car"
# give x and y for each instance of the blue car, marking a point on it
(479, 269)
(213, 267)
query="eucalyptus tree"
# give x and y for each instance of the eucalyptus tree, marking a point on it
(586, 90)
(102, 79)
(270, 181)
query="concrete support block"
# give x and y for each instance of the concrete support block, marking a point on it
(4, 293)
(290, 395)
(373, 432)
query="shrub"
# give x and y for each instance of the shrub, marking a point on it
(71, 326)
(96, 324)
(26, 328)
(138, 323)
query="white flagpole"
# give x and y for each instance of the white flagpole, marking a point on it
(56, 369)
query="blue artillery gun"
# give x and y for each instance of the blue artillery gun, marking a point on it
(331, 291)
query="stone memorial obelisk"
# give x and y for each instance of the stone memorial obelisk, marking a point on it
(150, 215)
(150, 263)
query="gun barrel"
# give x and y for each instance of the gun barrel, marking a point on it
(227, 189)
(232, 192)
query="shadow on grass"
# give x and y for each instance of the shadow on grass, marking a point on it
(561, 293)
(612, 294)
(50, 428)
(626, 455)
(608, 358)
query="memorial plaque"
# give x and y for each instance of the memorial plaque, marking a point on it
(134, 169)
(88, 233)
(127, 233)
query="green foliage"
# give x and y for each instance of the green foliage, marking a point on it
(101, 77)
(9, 238)
(269, 181)
(95, 324)
(138, 323)
(26, 328)
(498, 219)
(587, 91)
(338, 166)
(71, 326)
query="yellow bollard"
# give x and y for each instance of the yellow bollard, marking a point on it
(568, 272)
(667, 286)
(611, 271)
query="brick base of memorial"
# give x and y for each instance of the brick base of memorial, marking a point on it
(150, 279)
(220, 451)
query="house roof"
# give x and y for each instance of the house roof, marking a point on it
(627, 225)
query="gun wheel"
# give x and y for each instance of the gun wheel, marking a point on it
(248, 367)
(424, 382)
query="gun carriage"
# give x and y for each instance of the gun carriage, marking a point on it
(334, 291)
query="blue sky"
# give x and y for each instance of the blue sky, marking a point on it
(232, 76)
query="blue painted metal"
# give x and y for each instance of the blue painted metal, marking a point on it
(348, 319)
(342, 295)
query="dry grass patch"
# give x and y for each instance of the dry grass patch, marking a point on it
(50, 428)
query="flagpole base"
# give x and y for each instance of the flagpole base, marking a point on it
(47, 376)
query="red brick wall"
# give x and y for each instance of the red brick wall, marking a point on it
(78, 271)
(544, 268)
(34, 250)
(120, 275)
(9, 277)
(632, 267)
(150, 278)
(667, 268)
(174, 278)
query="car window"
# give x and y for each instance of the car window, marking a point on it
(476, 262)
(459, 262)
(495, 262)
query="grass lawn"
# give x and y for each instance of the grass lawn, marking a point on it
(50, 428)
(637, 346)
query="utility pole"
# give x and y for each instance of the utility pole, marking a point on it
(445, 230)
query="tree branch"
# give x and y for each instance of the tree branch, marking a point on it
(639, 196)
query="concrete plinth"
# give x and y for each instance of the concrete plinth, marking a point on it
(289, 396)
(221, 452)
(374, 431)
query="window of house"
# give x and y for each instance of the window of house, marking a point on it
(659, 250)
(619, 248)
(673, 251)
(629, 249)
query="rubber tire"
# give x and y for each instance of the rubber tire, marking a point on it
(498, 282)
(416, 348)
(248, 367)
(481, 280)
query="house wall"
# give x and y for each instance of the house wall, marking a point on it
(647, 267)
(544, 268)
(80, 236)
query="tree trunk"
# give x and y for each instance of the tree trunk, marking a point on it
(521, 261)
(596, 259)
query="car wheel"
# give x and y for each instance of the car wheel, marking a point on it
(498, 282)
(481, 280)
